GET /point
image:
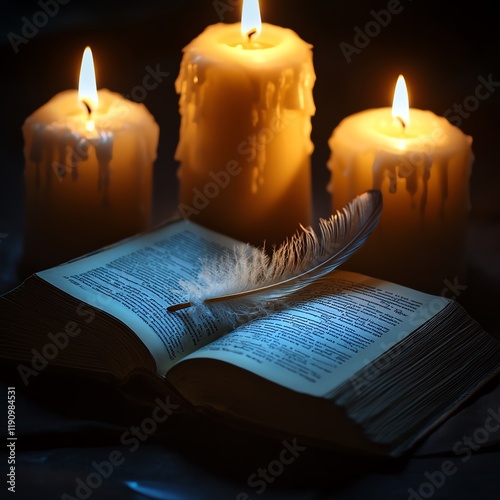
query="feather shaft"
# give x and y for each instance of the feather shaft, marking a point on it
(302, 259)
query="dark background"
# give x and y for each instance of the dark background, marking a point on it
(440, 47)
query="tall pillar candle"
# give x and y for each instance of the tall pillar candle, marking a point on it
(244, 150)
(88, 173)
(422, 165)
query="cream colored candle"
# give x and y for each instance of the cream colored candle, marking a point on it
(422, 165)
(88, 172)
(244, 150)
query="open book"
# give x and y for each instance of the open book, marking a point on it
(351, 361)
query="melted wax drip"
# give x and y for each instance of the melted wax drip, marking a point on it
(35, 154)
(388, 166)
(443, 171)
(104, 154)
(72, 149)
(49, 145)
(425, 179)
(79, 148)
(410, 174)
(286, 89)
(259, 140)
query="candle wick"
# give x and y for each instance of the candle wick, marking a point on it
(402, 122)
(89, 109)
(251, 33)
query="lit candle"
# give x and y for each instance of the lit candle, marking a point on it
(88, 171)
(422, 165)
(244, 150)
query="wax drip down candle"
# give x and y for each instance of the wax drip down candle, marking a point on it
(422, 165)
(244, 149)
(88, 172)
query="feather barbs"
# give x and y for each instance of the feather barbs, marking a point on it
(246, 281)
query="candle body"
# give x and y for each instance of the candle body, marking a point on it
(423, 173)
(85, 188)
(245, 147)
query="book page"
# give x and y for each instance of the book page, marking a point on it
(335, 329)
(136, 280)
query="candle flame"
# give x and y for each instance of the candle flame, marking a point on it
(400, 105)
(87, 88)
(251, 23)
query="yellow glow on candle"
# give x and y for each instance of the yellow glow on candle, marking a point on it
(251, 23)
(87, 88)
(400, 105)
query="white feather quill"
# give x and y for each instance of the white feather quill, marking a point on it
(249, 282)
